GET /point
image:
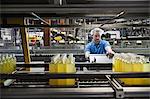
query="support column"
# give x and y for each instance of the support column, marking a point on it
(25, 44)
(47, 34)
(24, 36)
(62, 22)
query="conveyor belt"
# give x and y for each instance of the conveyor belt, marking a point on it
(45, 54)
(84, 75)
(99, 88)
(78, 65)
(91, 84)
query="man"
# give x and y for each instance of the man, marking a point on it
(98, 46)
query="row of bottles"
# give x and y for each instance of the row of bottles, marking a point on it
(128, 62)
(63, 59)
(7, 63)
(62, 64)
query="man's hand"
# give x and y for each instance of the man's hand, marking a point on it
(110, 55)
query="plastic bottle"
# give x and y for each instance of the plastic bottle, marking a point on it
(14, 62)
(115, 59)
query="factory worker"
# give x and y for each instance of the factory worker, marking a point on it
(97, 45)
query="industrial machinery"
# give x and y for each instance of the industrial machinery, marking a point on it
(34, 31)
(92, 80)
(92, 84)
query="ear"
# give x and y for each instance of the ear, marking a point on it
(90, 37)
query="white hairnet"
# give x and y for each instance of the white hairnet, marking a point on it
(100, 31)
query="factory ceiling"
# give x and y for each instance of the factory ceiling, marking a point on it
(76, 8)
(70, 1)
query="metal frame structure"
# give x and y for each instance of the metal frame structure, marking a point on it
(133, 8)
(91, 84)
(55, 93)
(114, 90)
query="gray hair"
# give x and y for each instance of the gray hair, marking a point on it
(100, 31)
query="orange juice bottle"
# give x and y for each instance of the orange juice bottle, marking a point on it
(115, 62)
(137, 67)
(146, 68)
(128, 68)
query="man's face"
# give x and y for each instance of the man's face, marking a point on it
(96, 37)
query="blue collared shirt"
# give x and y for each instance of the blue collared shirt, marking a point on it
(97, 48)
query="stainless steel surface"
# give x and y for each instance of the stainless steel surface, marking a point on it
(119, 93)
(137, 91)
(56, 92)
(105, 92)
